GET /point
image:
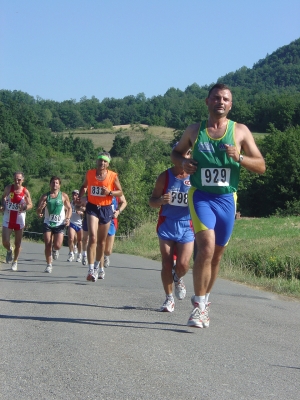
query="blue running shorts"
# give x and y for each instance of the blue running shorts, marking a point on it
(178, 231)
(213, 211)
(112, 229)
(75, 227)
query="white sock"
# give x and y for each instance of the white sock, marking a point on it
(84, 253)
(201, 301)
(101, 269)
(206, 297)
(170, 297)
(96, 264)
(91, 267)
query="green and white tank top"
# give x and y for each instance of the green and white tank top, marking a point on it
(216, 173)
(55, 211)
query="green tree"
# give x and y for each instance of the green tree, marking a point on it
(120, 146)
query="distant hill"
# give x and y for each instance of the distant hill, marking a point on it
(268, 93)
(280, 70)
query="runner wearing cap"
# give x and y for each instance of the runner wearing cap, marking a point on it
(75, 229)
(100, 185)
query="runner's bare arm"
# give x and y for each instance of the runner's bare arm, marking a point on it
(4, 196)
(117, 192)
(67, 205)
(252, 158)
(28, 205)
(158, 197)
(42, 204)
(185, 143)
(83, 188)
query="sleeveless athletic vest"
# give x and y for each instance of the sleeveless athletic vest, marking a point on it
(95, 195)
(178, 208)
(75, 218)
(216, 173)
(12, 217)
(55, 211)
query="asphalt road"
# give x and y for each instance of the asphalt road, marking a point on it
(65, 338)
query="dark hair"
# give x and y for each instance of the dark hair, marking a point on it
(19, 173)
(55, 178)
(220, 86)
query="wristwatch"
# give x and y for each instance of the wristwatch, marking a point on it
(241, 157)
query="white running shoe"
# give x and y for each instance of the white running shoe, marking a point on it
(55, 254)
(75, 249)
(198, 318)
(84, 260)
(9, 256)
(168, 306)
(95, 275)
(79, 258)
(90, 275)
(14, 266)
(180, 289)
(48, 268)
(101, 274)
(106, 261)
(71, 257)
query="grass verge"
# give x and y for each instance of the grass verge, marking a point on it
(263, 253)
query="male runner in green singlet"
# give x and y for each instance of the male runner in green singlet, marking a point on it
(57, 216)
(214, 168)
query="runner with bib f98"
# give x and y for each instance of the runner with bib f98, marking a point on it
(75, 229)
(58, 212)
(219, 148)
(174, 230)
(100, 185)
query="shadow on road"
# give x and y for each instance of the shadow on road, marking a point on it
(117, 324)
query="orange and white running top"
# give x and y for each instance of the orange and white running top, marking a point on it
(94, 188)
(13, 218)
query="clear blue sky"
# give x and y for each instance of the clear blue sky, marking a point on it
(67, 49)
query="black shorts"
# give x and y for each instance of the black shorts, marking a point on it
(103, 213)
(84, 224)
(54, 229)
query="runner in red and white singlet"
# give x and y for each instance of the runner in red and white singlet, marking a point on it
(14, 203)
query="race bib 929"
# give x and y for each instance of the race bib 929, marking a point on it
(215, 176)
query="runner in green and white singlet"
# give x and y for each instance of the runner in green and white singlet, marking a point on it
(54, 211)
(214, 169)
(58, 211)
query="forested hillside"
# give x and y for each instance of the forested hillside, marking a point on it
(34, 137)
(267, 92)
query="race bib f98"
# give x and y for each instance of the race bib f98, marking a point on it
(179, 199)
